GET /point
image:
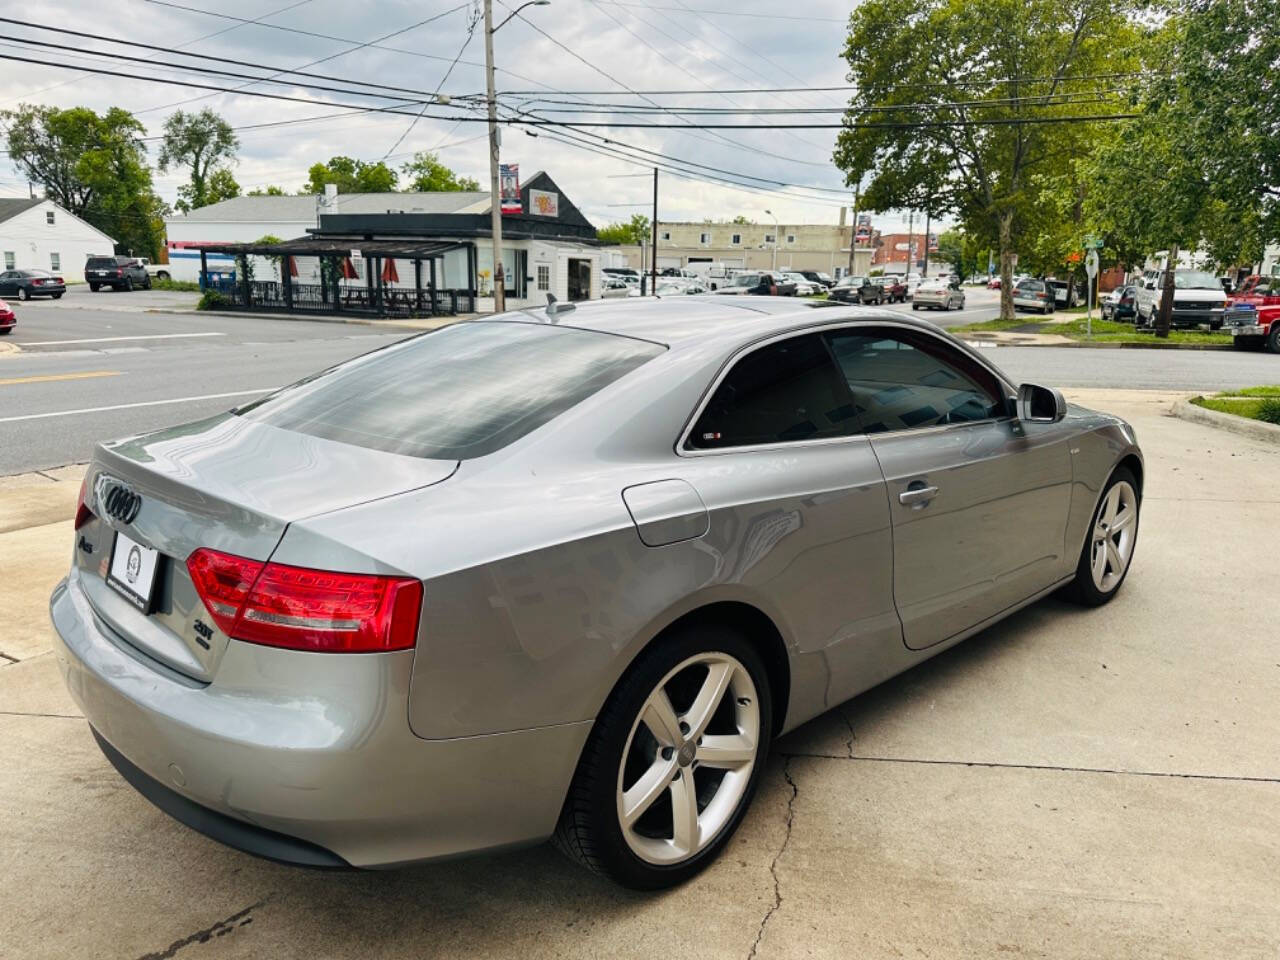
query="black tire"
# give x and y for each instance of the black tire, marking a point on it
(93, 288)
(1247, 343)
(5, 331)
(56, 296)
(1082, 589)
(164, 275)
(128, 284)
(1048, 310)
(589, 831)
(24, 293)
(915, 306)
(1273, 338)
(147, 286)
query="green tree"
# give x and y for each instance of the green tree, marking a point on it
(963, 251)
(94, 166)
(203, 143)
(740, 220)
(351, 176)
(425, 174)
(991, 77)
(271, 190)
(635, 230)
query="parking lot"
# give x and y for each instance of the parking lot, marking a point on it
(1070, 783)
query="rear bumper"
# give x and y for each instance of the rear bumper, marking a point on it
(308, 758)
(1248, 330)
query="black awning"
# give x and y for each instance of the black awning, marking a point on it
(335, 247)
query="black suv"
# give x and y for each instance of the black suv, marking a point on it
(122, 273)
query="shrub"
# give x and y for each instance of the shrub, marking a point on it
(162, 283)
(1269, 410)
(213, 300)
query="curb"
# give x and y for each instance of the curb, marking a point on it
(9, 349)
(1255, 429)
(1096, 345)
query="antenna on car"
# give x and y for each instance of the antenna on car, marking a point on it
(555, 307)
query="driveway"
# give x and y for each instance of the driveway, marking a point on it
(80, 297)
(1070, 783)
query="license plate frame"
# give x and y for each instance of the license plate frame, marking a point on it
(140, 589)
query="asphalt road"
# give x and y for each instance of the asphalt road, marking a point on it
(97, 367)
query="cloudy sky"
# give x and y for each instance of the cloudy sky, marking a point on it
(619, 52)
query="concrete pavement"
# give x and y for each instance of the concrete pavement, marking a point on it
(1070, 783)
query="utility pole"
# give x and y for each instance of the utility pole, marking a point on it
(853, 230)
(911, 241)
(928, 220)
(495, 194)
(653, 276)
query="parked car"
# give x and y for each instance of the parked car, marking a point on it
(1256, 289)
(804, 286)
(336, 627)
(913, 281)
(1198, 298)
(1253, 326)
(26, 284)
(613, 286)
(1064, 293)
(823, 280)
(855, 289)
(626, 274)
(894, 289)
(1033, 295)
(994, 282)
(938, 295)
(8, 319)
(1120, 304)
(119, 273)
(758, 284)
(158, 271)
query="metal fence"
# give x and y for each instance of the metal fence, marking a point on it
(272, 296)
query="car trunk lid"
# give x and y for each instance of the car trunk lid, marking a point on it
(228, 484)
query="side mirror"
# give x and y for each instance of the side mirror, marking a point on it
(1038, 404)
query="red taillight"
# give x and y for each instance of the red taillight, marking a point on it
(303, 609)
(83, 513)
(37, 281)
(119, 273)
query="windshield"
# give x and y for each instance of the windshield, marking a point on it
(852, 281)
(746, 280)
(457, 393)
(1195, 280)
(97, 262)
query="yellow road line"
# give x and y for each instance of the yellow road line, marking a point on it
(51, 377)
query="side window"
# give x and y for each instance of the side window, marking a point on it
(785, 391)
(902, 380)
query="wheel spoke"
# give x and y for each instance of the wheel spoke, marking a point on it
(1113, 505)
(708, 699)
(1113, 558)
(684, 812)
(660, 717)
(1099, 562)
(725, 752)
(646, 790)
(1123, 519)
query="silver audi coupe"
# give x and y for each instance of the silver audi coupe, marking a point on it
(564, 573)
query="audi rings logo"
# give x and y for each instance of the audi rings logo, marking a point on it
(121, 502)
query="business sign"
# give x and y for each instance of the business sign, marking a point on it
(543, 203)
(864, 220)
(933, 242)
(509, 187)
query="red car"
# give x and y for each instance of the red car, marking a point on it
(1259, 290)
(993, 283)
(7, 319)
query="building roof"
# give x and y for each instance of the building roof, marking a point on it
(12, 206)
(407, 249)
(303, 209)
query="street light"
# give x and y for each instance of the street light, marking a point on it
(495, 196)
(775, 239)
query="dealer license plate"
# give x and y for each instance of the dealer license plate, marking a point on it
(132, 572)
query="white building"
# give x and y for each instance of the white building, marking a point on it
(37, 234)
(549, 247)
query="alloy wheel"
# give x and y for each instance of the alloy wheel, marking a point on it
(688, 759)
(1113, 536)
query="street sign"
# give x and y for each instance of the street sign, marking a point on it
(1092, 243)
(1091, 264)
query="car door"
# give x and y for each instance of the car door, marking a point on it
(7, 286)
(978, 500)
(798, 518)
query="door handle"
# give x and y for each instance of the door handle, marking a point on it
(917, 494)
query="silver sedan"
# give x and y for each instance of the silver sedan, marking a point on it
(937, 295)
(564, 574)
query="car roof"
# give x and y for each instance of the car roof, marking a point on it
(686, 320)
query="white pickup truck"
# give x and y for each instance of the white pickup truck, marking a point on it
(157, 271)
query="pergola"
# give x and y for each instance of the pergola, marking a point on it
(382, 294)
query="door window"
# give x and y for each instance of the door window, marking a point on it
(901, 380)
(785, 391)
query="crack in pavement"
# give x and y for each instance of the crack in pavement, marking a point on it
(29, 713)
(241, 919)
(9, 658)
(848, 744)
(773, 867)
(1041, 766)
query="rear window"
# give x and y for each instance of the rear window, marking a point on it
(1033, 286)
(98, 263)
(458, 393)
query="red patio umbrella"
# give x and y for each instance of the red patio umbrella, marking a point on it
(389, 274)
(293, 266)
(349, 270)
